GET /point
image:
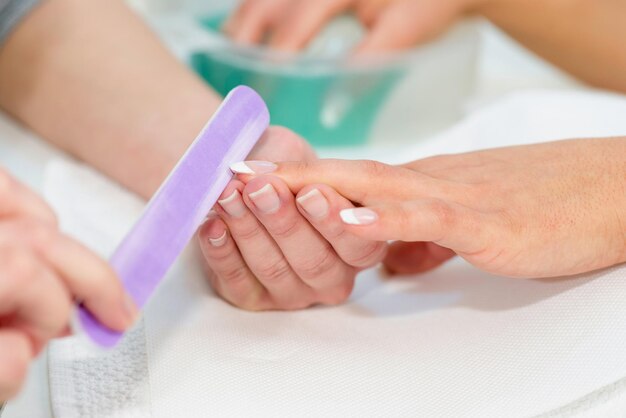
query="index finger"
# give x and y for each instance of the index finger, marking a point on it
(362, 181)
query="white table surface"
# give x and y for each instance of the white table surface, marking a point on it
(504, 68)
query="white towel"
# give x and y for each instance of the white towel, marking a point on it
(455, 342)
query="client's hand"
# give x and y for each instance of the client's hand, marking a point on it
(267, 250)
(41, 273)
(542, 210)
(392, 24)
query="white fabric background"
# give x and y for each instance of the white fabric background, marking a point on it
(454, 342)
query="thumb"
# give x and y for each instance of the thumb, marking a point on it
(447, 224)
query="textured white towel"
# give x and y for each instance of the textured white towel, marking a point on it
(453, 342)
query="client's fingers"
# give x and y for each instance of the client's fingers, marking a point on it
(252, 19)
(415, 257)
(260, 252)
(450, 225)
(310, 256)
(15, 354)
(407, 23)
(303, 21)
(364, 181)
(321, 205)
(231, 278)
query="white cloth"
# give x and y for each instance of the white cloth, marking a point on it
(454, 342)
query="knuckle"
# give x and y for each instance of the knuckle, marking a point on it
(373, 168)
(443, 214)
(19, 268)
(371, 254)
(286, 228)
(274, 272)
(234, 275)
(247, 232)
(317, 266)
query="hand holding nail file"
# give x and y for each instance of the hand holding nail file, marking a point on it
(182, 202)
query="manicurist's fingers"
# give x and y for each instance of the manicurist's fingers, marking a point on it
(17, 201)
(262, 255)
(87, 277)
(32, 298)
(447, 224)
(15, 354)
(321, 205)
(230, 275)
(308, 253)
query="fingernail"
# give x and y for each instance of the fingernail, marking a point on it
(358, 216)
(253, 167)
(131, 310)
(266, 199)
(314, 203)
(219, 241)
(233, 205)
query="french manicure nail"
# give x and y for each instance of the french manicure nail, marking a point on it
(219, 241)
(358, 216)
(314, 203)
(233, 205)
(253, 167)
(266, 199)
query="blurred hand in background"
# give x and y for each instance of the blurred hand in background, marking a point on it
(391, 24)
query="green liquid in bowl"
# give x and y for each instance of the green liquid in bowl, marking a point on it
(300, 100)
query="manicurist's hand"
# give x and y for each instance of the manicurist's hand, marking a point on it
(542, 210)
(268, 249)
(392, 24)
(42, 272)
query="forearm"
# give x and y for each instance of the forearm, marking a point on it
(584, 37)
(92, 79)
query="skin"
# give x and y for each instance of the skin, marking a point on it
(42, 273)
(113, 98)
(133, 116)
(553, 209)
(584, 37)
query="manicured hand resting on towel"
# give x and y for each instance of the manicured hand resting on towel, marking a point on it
(42, 273)
(552, 209)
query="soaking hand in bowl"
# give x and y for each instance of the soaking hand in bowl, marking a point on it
(581, 36)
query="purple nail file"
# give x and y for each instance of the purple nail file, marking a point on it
(182, 202)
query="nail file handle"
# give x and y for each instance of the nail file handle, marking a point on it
(181, 204)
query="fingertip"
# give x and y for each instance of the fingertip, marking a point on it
(16, 352)
(213, 234)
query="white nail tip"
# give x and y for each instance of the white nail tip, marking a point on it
(263, 190)
(348, 216)
(230, 198)
(241, 168)
(309, 195)
(218, 242)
